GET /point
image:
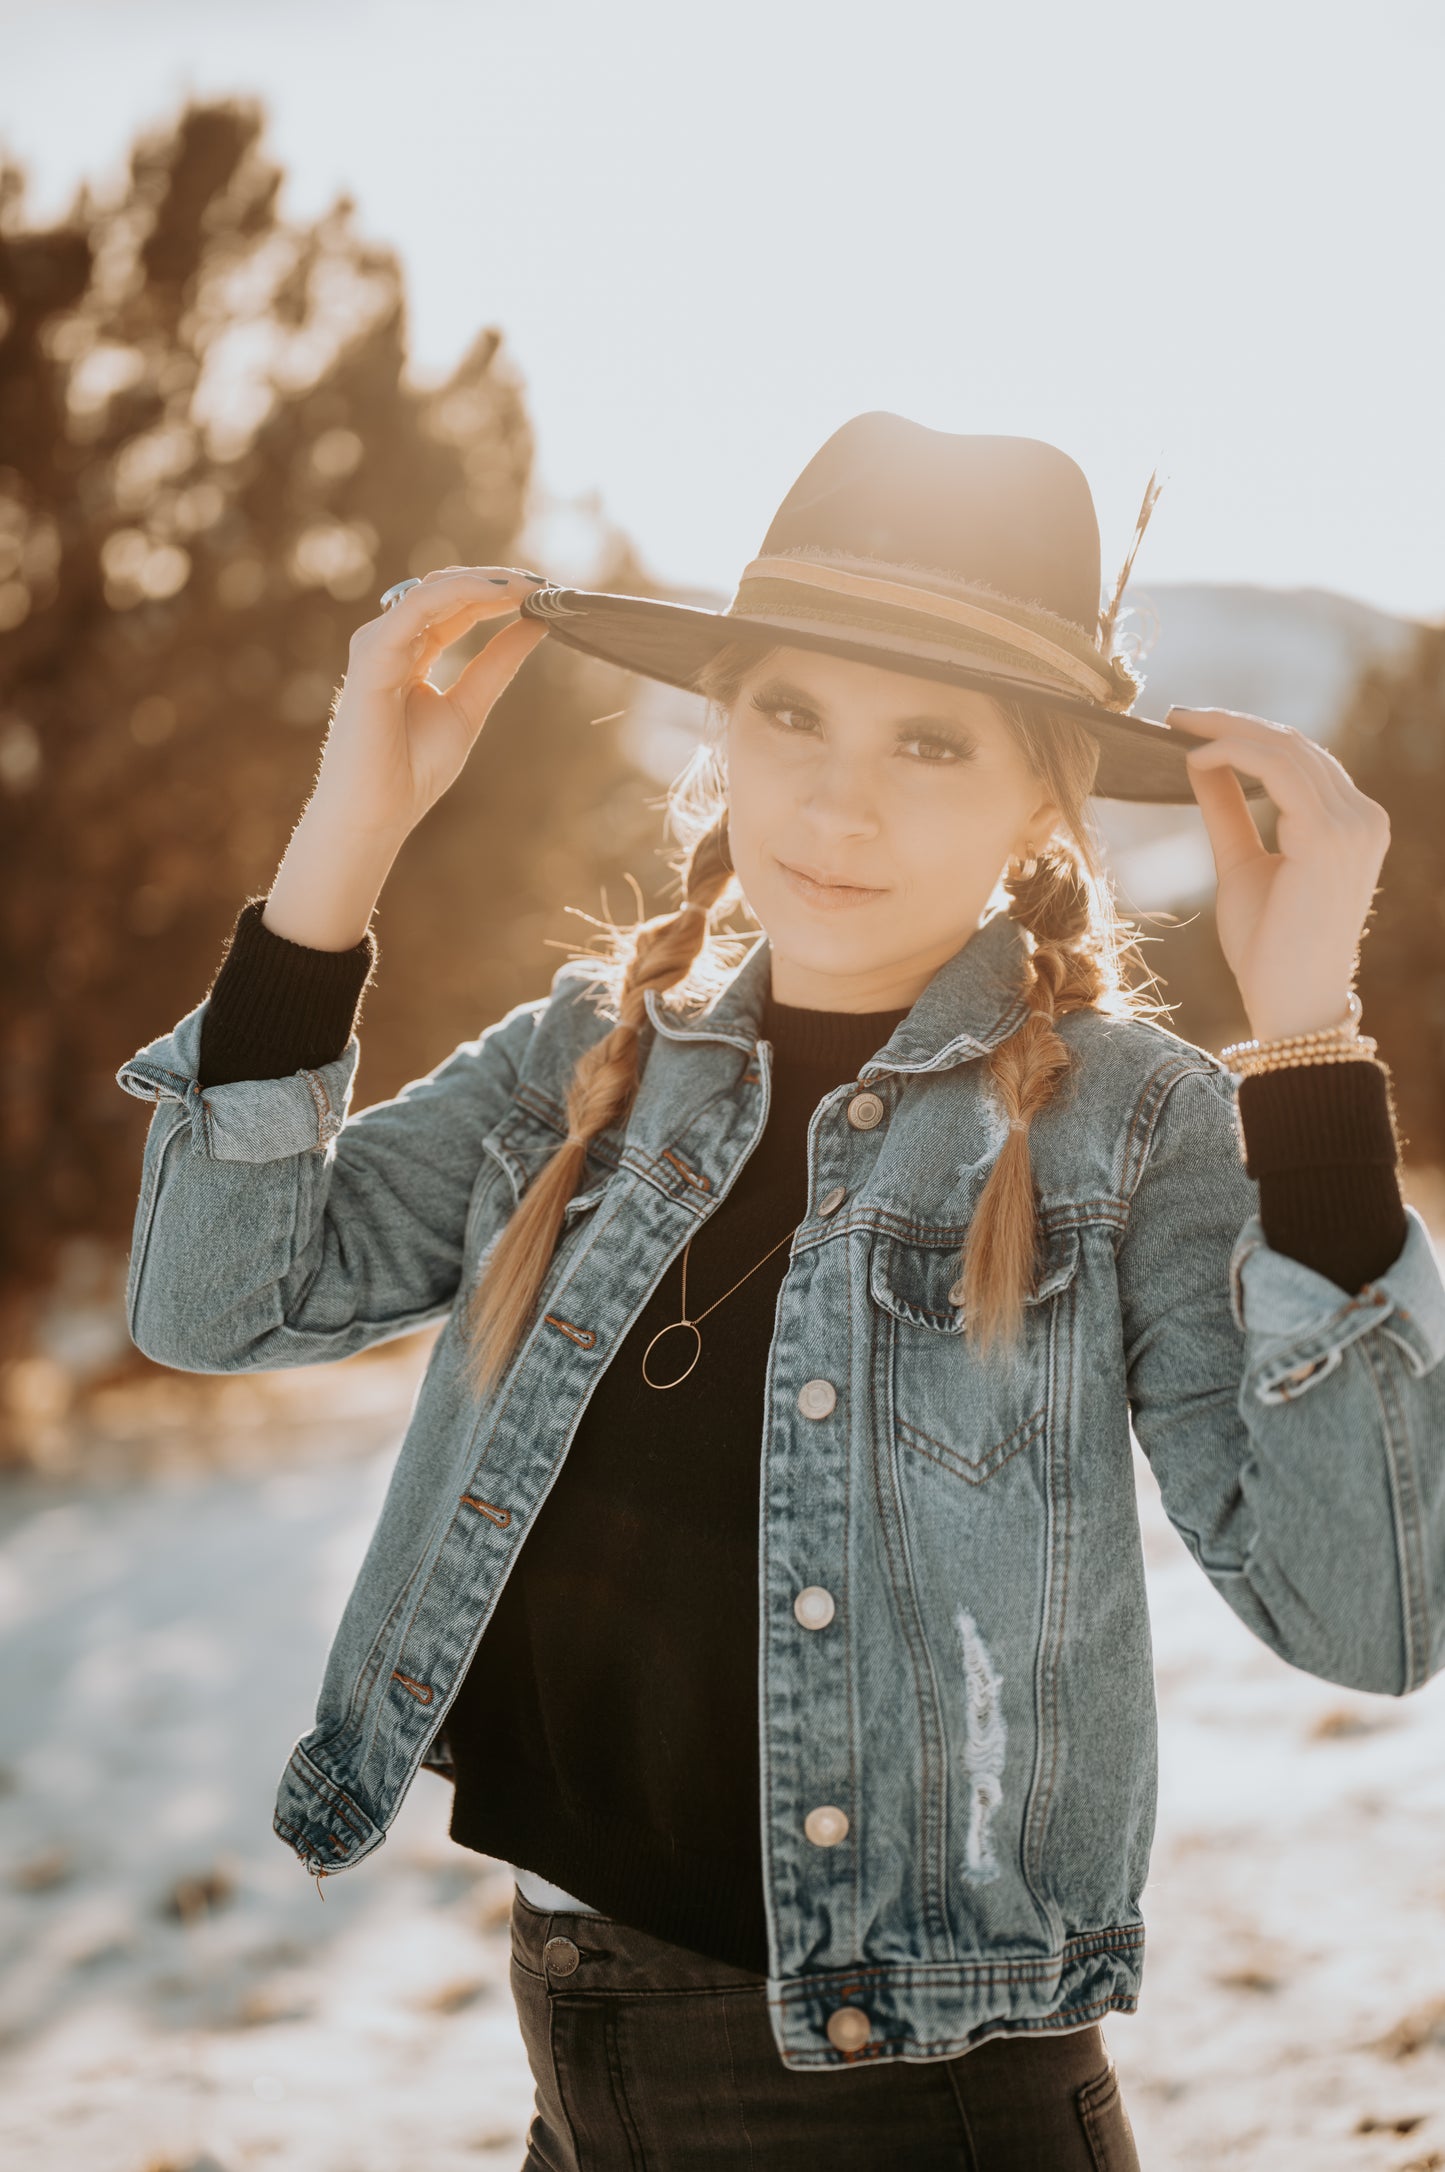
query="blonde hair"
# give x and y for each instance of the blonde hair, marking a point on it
(1080, 948)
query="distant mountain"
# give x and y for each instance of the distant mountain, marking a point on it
(1291, 654)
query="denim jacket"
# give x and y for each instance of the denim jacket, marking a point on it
(958, 1764)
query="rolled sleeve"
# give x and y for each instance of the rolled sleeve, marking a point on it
(247, 1119)
(1300, 1325)
(1297, 1432)
(276, 1227)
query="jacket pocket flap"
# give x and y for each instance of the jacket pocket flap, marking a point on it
(523, 1143)
(923, 1283)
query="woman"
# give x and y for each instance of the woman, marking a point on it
(823, 1746)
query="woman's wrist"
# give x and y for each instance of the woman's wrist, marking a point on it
(329, 880)
(1305, 1015)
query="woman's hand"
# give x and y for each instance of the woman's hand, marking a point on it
(396, 741)
(1289, 921)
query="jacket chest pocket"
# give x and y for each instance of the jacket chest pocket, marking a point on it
(513, 1156)
(971, 1413)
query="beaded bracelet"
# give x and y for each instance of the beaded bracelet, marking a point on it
(1362, 1051)
(1342, 1043)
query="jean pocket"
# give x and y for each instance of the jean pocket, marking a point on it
(1105, 2122)
(970, 1415)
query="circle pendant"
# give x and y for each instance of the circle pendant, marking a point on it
(672, 1326)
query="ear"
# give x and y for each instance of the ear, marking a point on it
(1037, 829)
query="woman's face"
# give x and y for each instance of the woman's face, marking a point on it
(913, 791)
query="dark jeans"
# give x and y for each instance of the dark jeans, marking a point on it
(650, 2058)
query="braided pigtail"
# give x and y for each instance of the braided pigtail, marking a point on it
(657, 954)
(1052, 896)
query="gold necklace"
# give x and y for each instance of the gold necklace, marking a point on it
(692, 1324)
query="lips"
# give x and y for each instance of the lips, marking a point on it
(824, 889)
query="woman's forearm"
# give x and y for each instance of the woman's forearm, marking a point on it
(329, 879)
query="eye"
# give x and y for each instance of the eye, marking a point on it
(773, 711)
(951, 749)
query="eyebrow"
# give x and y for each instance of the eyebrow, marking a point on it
(789, 690)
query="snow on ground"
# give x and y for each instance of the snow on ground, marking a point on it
(178, 1997)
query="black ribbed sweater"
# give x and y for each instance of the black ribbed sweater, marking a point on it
(606, 1734)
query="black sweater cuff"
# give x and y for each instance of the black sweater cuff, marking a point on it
(1320, 1141)
(276, 1006)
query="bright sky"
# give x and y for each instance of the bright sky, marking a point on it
(1149, 232)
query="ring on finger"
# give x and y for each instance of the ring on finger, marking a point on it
(398, 590)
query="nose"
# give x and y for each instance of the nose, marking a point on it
(838, 800)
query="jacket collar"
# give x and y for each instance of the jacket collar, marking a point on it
(975, 1000)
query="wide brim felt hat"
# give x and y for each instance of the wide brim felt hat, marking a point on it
(972, 560)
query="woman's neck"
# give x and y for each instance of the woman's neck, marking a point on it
(865, 995)
(893, 984)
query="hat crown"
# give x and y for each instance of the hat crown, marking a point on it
(972, 560)
(1013, 514)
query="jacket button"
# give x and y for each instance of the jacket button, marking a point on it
(848, 2028)
(814, 1607)
(865, 1110)
(816, 1398)
(826, 1825)
(955, 1294)
(560, 1956)
(831, 1201)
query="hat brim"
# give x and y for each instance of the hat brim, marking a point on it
(1140, 759)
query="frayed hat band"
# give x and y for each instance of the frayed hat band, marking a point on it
(764, 586)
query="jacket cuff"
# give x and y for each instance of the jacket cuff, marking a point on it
(252, 1120)
(1298, 1325)
(278, 1007)
(1319, 1140)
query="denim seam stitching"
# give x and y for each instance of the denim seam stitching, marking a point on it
(1023, 1436)
(321, 1106)
(965, 2129)
(1147, 1114)
(351, 1813)
(854, 1758)
(1059, 1454)
(617, 2090)
(891, 1531)
(1123, 2002)
(151, 1196)
(1409, 1532)
(1124, 1939)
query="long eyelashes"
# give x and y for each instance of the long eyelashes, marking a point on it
(958, 749)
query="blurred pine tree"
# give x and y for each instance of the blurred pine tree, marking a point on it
(1391, 739)
(1392, 742)
(211, 462)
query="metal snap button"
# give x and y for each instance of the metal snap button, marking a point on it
(848, 2028)
(560, 1956)
(955, 1294)
(831, 1201)
(816, 1398)
(826, 1825)
(865, 1110)
(814, 1607)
